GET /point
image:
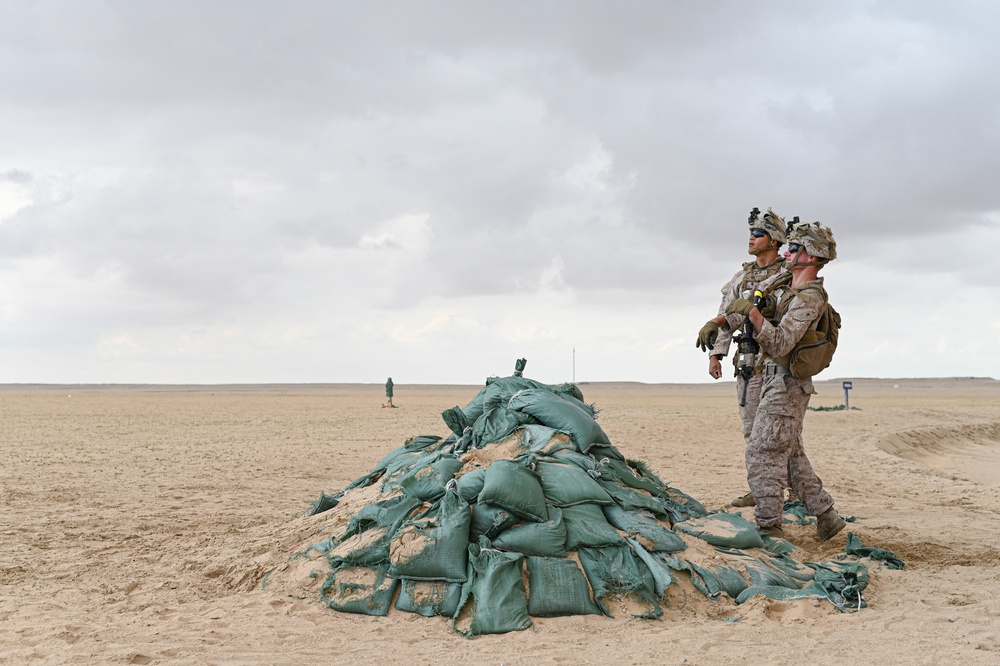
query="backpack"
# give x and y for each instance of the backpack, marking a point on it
(815, 350)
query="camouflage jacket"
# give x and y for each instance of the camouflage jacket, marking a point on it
(796, 312)
(741, 285)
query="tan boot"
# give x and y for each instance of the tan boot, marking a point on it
(775, 531)
(828, 524)
(745, 500)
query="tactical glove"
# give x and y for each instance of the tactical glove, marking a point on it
(766, 306)
(741, 306)
(707, 336)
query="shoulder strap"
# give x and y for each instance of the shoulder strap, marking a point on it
(783, 281)
(811, 287)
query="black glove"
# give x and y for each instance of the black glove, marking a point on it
(707, 336)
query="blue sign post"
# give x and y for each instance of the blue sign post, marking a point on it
(847, 387)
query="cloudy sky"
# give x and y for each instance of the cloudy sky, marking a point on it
(223, 192)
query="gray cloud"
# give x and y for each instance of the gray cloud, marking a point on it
(195, 163)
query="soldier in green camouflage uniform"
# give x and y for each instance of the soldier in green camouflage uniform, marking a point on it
(767, 234)
(775, 451)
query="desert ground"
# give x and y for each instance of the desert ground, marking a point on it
(138, 521)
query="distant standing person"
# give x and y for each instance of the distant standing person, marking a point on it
(388, 393)
(775, 455)
(767, 234)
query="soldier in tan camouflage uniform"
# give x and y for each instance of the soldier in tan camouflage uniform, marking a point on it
(775, 452)
(767, 234)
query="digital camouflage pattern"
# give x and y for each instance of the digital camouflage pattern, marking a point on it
(771, 223)
(815, 238)
(748, 412)
(741, 285)
(796, 312)
(775, 457)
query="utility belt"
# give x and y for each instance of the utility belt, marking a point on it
(775, 369)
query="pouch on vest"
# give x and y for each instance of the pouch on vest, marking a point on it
(815, 350)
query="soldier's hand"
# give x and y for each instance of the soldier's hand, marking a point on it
(707, 336)
(741, 306)
(767, 305)
(714, 367)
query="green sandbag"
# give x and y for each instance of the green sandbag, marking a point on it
(786, 565)
(456, 420)
(324, 503)
(557, 587)
(681, 506)
(615, 571)
(562, 414)
(841, 583)
(633, 500)
(624, 474)
(370, 531)
(777, 546)
(353, 589)
(727, 530)
(389, 513)
(516, 488)
(427, 482)
(496, 425)
(662, 577)
(426, 443)
(433, 546)
(795, 513)
(489, 520)
(470, 484)
(581, 460)
(855, 547)
(586, 527)
(429, 597)
(566, 485)
(395, 455)
(545, 539)
(539, 439)
(399, 467)
(497, 392)
(605, 452)
(710, 581)
(762, 574)
(658, 537)
(413, 447)
(496, 590)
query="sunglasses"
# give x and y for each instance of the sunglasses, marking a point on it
(794, 247)
(757, 233)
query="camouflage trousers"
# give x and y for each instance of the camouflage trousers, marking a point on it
(775, 456)
(749, 411)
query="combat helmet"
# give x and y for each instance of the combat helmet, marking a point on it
(815, 238)
(770, 223)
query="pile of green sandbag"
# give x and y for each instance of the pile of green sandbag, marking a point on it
(527, 509)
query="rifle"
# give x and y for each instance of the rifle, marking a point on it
(747, 350)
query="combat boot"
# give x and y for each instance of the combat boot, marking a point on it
(828, 524)
(745, 500)
(774, 531)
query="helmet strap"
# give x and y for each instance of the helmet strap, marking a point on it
(795, 261)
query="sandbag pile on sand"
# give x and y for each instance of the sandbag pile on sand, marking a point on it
(527, 510)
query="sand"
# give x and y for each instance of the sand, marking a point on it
(137, 522)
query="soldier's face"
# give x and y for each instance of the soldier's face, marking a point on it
(796, 254)
(759, 241)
